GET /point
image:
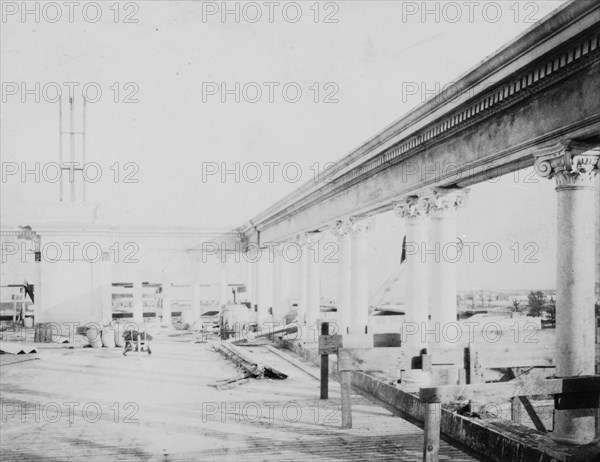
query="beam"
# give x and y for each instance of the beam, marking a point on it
(502, 391)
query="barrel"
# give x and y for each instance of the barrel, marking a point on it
(187, 319)
(94, 336)
(118, 329)
(108, 337)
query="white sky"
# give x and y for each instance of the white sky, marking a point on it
(368, 54)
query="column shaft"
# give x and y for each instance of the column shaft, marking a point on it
(166, 303)
(138, 302)
(278, 310)
(302, 284)
(359, 290)
(313, 283)
(443, 309)
(223, 286)
(344, 283)
(575, 167)
(417, 298)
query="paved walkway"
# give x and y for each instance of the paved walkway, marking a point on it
(96, 405)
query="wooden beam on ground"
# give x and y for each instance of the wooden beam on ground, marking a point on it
(293, 361)
(247, 362)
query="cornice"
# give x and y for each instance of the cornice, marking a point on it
(137, 233)
(580, 52)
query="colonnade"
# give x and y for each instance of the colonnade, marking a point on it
(430, 224)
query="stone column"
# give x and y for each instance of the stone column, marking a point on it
(264, 276)
(344, 281)
(278, 310)
(303, 279)
(196, 300)
(313, 282)
(414, 211)
(256, 275)
(166, 303)
(197, 263)
(106, 270)
(223, 286)
(284, 290)
(442, 288)
(575, 168)
(249, 258)
(359, 287)
(138, 302)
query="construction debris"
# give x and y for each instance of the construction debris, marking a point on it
(295, 362)
(244, 360)
(233, 382)
(43, 332)
(17, 348)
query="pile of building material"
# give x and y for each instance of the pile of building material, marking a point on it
(44, 332)
(14, 348)
(246, 362)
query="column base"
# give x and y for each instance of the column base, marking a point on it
(575, 427)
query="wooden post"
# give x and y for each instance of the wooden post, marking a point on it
(515, 410)
(346, 383)
(14, 315)
(431, 442)
(324, 366)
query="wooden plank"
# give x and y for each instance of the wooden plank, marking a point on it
(387, 340)
(521, 355)
(295, 362)
(452, 356)
(503, 391)
(431, 442)
(346, 392)
(331, 343)
(371, 359)
(515, 410)
(324, 363)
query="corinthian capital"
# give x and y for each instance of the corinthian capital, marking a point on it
(412, 207)
(571, 163)
(340, 228)
(301, 239)
(361, 225)
(447, 200)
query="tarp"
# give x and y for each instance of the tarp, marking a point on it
(14, 348)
